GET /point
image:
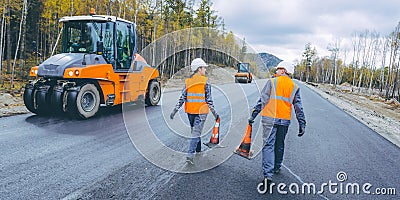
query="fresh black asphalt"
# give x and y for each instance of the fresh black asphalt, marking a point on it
(56, 157)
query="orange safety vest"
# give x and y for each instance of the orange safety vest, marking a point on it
(196, 95)
(281, 98)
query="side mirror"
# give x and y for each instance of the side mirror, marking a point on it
(99, 48)
(34, 46)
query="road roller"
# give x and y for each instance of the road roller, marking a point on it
(98, 66)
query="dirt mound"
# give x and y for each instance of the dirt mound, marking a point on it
(346, 84)
(11, 105)
(393, 102)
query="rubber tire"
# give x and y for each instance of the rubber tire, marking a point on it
(236, 80)
(43, 100)
(28, 97)
(153, 94)
(57, 98)
(71, 103)
(76, 106)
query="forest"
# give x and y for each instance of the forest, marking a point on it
(28, 27)
(372, 64)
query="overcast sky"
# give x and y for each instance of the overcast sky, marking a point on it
(283, 27)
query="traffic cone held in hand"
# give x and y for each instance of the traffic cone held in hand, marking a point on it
(244, 148)
(214, 140)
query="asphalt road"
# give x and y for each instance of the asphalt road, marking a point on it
(59, 158)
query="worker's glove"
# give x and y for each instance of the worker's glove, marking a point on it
(254, 113)
(216, 116)
(302, 130)
(251, 120)
(173, 113)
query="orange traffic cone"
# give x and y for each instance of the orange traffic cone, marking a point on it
(244, 148)
(214, 140)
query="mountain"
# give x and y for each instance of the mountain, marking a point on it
(269, 60)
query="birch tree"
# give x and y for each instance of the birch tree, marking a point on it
(385, 47)
(19, 39)
(8, 30)
(2, 26)
(376, 45)
(308, 56)
(395, 37)
(357, 47)
(334, 49)
(23, 39)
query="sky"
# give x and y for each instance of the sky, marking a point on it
(283, 27)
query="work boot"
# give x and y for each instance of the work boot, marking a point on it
(189, 161)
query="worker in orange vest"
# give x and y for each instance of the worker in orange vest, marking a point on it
(277, 98)
(196, 95)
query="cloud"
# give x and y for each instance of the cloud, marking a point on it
(283, 27)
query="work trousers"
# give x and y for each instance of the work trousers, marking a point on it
(197, 124)
(273, 149)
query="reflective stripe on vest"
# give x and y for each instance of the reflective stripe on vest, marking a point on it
(196, 97)
(281, 98)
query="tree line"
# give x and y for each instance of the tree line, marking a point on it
(25, 21)
(373, 66)
(175, 50)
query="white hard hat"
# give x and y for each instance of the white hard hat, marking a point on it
(196, 63)
(289, 67)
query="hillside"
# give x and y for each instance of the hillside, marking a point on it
(269, 60)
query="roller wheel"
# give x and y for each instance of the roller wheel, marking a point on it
(153, 94)
(28, 97)
(57, 98)
(85, 103)
(42, 97)
(71, 108)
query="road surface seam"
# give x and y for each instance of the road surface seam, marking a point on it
(299, 179)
